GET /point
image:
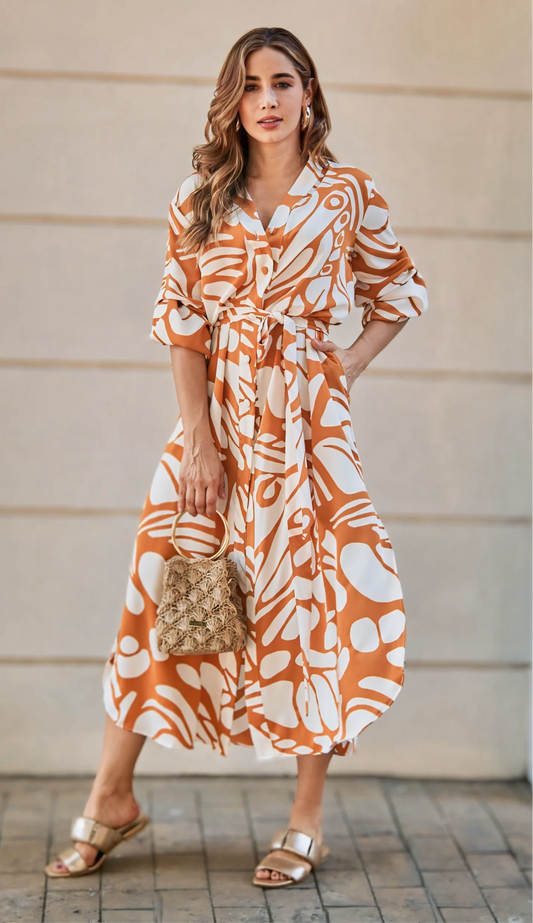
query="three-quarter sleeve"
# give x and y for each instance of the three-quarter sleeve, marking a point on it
(180, 318)
(387, 285)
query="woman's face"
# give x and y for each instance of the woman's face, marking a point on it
(273, 98)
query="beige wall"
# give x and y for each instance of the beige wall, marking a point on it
(102, 103)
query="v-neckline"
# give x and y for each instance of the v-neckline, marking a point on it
(308, 176)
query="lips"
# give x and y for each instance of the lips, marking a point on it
(269, 121)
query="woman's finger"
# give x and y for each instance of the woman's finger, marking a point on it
(190, 498)
(326, 346)
(199, 499)
(182, 488)
(211, 498)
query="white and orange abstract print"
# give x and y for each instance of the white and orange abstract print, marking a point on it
(317, 572)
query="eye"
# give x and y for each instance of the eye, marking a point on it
(282, 84)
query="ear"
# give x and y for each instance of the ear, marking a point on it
(309, 92)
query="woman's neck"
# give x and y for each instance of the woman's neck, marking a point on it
(272, 161)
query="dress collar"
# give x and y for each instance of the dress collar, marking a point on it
(309, 177)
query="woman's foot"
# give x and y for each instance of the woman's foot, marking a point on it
(303, 820)
(113, 809)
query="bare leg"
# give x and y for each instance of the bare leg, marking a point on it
(306, 814)
(111, 799)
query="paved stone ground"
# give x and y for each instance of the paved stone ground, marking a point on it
(402, 850)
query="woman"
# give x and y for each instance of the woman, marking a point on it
(271, 241)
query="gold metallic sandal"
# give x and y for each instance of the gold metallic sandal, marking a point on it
(102, 837)
(311, 855)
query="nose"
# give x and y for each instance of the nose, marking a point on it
(268, 98)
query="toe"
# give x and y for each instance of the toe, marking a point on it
(267, 873)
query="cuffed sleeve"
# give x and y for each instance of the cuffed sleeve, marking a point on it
(179, 318)
(387, 285)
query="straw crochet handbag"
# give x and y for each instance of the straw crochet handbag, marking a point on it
(200, 611)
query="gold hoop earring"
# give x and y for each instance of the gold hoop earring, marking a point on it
(305, 123)
(238, 123)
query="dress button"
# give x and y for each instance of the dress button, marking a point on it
(246, 358)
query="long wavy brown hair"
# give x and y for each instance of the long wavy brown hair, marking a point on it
(221, 161)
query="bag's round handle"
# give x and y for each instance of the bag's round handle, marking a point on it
(213, 557)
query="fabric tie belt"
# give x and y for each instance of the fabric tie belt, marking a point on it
(254, 333)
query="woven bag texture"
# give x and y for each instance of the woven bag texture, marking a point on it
(200, 611)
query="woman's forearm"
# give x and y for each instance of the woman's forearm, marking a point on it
(190, 380)
(375, 336)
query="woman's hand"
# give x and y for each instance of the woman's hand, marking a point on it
(351, 364)
(201, 478)
(375, 335)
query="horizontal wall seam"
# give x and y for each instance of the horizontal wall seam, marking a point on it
(23, 73)
(415, 664)
(456, 519)
(116, 221)
(121, 221)
(125, 365)
(103, 512)
(74, 364)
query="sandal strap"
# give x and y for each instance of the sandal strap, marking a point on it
(299, 843)
(93, 832)
(73, 859)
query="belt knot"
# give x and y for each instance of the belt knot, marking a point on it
(267, 320)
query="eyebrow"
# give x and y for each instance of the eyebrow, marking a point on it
(274, 77)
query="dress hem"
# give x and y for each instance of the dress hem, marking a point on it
(221, 752)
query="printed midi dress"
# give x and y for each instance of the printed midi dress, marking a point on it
(325, 648)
